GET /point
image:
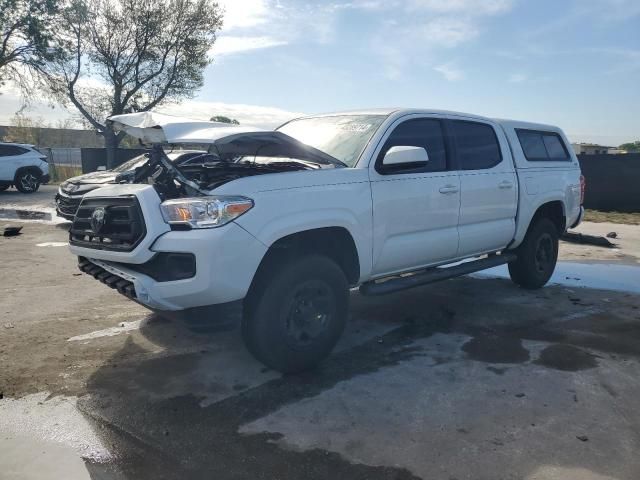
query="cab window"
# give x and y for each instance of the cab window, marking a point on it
(477, 146)
(419, 132)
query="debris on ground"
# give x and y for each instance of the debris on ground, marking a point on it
(582, 438)
(9, 325)
(612, 235)
(587, 239)
(11, 231)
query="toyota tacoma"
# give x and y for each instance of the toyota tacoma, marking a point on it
(288, 221)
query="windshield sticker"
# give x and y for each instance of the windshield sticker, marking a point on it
(356, 127)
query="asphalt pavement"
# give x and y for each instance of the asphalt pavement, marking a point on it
(472, 378)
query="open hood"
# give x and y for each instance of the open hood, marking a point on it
(223, 139)
(154, 128)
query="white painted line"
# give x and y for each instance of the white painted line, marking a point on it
(108, 332)
(52, 244)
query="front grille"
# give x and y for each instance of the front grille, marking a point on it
(125, 287)
(122, 228)
(68, 205)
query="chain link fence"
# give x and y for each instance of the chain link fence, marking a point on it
(64, 163)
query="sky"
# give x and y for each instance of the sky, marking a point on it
(572, 63)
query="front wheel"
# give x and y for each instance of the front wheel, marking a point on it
(27, 182)
(537, 255)
(296, 312)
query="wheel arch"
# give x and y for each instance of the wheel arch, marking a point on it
(32, 168)
(554, 209)
(335, 242)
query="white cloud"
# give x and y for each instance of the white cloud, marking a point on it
(448, 31)
(449, 72)
(466, 7)
(517, 78)
(227, 45)
(256, 115)
(244, 13)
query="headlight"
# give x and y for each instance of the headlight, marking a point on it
(204, 212)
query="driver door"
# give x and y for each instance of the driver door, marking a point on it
(416, 205)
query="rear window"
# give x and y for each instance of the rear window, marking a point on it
(542, 146)
(477, 146)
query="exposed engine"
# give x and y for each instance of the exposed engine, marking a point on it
(228, 159)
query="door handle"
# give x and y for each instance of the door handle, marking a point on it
(505, 185)
(449, 189)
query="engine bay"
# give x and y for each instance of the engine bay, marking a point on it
(227, 159)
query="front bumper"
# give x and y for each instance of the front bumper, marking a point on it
(67, 205)
(226, 260)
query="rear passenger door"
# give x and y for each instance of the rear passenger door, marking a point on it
(415, 208)
(9, 161)
(488, 186)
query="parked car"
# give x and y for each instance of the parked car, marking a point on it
(23, 167)
(71, 191)
(290, 220)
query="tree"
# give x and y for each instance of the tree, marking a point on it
(26, 38)
(631, 146)
(129, 56)
(223, 119)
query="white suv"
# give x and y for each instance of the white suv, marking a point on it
(290, 220)
(23, 167)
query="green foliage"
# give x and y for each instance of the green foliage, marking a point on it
(631, 146)
(223, 119)
(26, 38)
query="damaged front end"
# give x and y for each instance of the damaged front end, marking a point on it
(233, 153)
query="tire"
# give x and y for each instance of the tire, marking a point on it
(537, 255)
(296, 312)
(27, 181)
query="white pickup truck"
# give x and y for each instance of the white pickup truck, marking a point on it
(290, 220)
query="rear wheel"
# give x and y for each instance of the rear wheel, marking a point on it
(296, 312)
(537, 255)
(27, 181)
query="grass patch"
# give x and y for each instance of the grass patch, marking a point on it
(612, 217)
(59, 173)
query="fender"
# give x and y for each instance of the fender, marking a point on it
(531, 205)
(313, 218)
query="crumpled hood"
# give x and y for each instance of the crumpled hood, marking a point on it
(94, 178)
(222, 138)
(152, 127)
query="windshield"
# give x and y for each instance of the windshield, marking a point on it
(131, 164)
(342, 136)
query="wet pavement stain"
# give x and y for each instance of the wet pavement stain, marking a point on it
(206, 443)
(494, 349)
(567, 358)
(497, 371)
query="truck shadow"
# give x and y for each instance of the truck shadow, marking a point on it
(176, 410)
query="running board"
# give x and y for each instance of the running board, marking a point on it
(395, 284)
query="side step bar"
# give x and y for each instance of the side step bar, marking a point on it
(395, 284)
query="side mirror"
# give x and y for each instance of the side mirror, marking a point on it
(405, 155)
